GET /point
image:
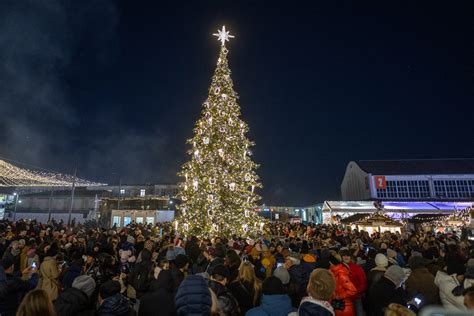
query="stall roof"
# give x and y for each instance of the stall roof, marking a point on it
(394, 206)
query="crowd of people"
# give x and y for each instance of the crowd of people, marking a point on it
(61, 270)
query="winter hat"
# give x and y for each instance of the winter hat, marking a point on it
(130, 239)
(272, 286)
(309, 258)
(470, 263)
(109, 288)
(381, 260)
(221, 270)
(6, 262)
(181, 261)
(85, 283)
(396, 274)
(391, 253)
(282, 274)
(418, 262)
(294, 257)
(193, 297)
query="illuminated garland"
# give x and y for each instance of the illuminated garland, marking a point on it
(457, 219)
(12, 176)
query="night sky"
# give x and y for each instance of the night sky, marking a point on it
(114, 87)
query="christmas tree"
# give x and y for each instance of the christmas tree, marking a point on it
(218, 192)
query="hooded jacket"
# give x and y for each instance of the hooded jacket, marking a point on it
(49, 277)
(345, 289)
(272, 305)
(446, 283)
(115, 305)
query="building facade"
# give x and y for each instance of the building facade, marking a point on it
(448, 179)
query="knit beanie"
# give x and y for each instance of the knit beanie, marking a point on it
(381, 260)
(272, 286)
(396, 274)
(391, 253)
(282, 274)
(85, 283)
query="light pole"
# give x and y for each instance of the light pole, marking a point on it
(17, 200)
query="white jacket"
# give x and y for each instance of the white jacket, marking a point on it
(446, 283)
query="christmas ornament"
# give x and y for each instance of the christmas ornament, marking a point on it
(247, 177)
(224, 96)
(232, 186)
(223, 35)
(212, 181)
(205, 140)
(217, 90)
(195, 185)
(220, 151)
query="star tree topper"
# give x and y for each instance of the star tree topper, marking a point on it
(223, 35)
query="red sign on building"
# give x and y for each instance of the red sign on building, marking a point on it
(380, 182)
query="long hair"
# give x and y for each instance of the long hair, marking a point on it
(247, 275)
(36, 302)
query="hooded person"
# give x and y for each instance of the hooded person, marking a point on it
(49, 273)
(160, 293)
(387, 290)
(76, 300)
(422, 282)
(274, 300)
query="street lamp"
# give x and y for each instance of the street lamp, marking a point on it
(17, 200)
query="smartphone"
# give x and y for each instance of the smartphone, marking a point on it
(417, 300)
(33, 265)
(280, 265)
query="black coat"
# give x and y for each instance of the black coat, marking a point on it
(160, 294)
(226, 301)
(13, 291)
(73, 301)
(244, 293)
(382, 294)
(115, 305)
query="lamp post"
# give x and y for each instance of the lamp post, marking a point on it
(17, 200)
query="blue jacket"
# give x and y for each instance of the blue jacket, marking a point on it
(272, 305)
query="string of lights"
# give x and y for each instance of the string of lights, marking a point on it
(11, 175)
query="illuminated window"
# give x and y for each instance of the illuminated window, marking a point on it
(116, 221)
(127, 220)
(150, 220)
(142, 192)
(122, 191)
(139, 220)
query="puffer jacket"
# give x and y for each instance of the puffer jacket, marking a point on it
(193, 297)
(446, 283)
(273, 305)
(345, 289)
(73, 302)
(115, 305)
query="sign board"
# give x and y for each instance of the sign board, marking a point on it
(380, 182)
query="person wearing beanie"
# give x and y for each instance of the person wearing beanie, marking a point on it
(193, 297)
(422, 282)
(218, 284)
(49, 273)
(298, 277)
(76, 300)
(345, 289)
(321, 288)
(282, 274)
(387, 290)
(381, 264)
(111, 302)
(449, 279)
(179, 270)
(274, 300)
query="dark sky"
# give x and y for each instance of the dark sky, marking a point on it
(115, 87)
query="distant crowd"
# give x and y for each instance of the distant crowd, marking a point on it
(56, 269)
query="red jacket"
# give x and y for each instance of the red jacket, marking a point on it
(358, 278)
(345, 290)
